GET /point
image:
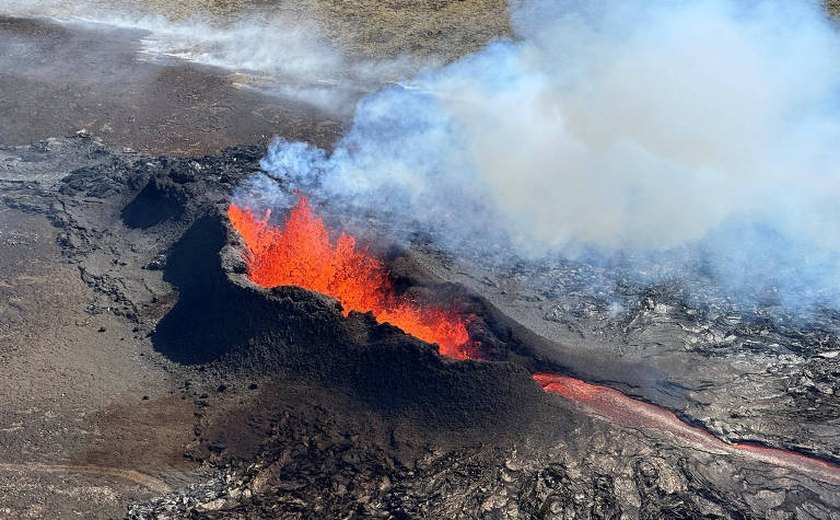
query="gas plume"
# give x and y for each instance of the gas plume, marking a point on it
(663, 133)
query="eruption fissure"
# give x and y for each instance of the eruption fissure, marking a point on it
(301, 253)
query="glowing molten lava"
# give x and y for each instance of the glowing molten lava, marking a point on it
(301, 253)
(626, 411)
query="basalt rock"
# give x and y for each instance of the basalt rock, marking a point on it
(328, 416)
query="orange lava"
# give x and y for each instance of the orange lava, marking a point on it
(623, 410)
(301, 253)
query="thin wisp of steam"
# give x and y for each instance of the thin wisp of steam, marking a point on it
(278, 54)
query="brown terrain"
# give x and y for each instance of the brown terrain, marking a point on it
(120, 383)
(92, 416)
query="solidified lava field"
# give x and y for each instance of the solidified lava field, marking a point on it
(188, 331)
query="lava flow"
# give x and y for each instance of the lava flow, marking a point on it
(301, 253)
(626, 411)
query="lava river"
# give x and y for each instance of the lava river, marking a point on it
(301, 253)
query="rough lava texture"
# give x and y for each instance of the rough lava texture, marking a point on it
(302, 413)
(744, 373)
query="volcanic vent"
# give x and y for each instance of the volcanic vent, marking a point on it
(331, 315)
(301, 252)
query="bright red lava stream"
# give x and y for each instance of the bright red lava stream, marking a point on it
(301, 253)
(623, 410)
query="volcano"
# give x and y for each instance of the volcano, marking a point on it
(196, 322)
(301, 254)
(293, 392)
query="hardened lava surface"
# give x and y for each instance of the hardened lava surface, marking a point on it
(745, 371)
(289, 409)
(143, 376)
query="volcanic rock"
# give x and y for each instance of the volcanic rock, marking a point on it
(325, 415)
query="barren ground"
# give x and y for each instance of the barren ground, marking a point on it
(95, 416)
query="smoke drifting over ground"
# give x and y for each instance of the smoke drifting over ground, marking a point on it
(281, 53)
(686, 133)
(281, 56)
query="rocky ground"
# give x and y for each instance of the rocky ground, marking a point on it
(56, 80)
(266, 404)
(143, 376)
(745, 374)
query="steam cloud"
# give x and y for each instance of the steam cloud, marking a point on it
(672, 133)
(664, 134)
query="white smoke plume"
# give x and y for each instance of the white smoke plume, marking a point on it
(699, 131)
